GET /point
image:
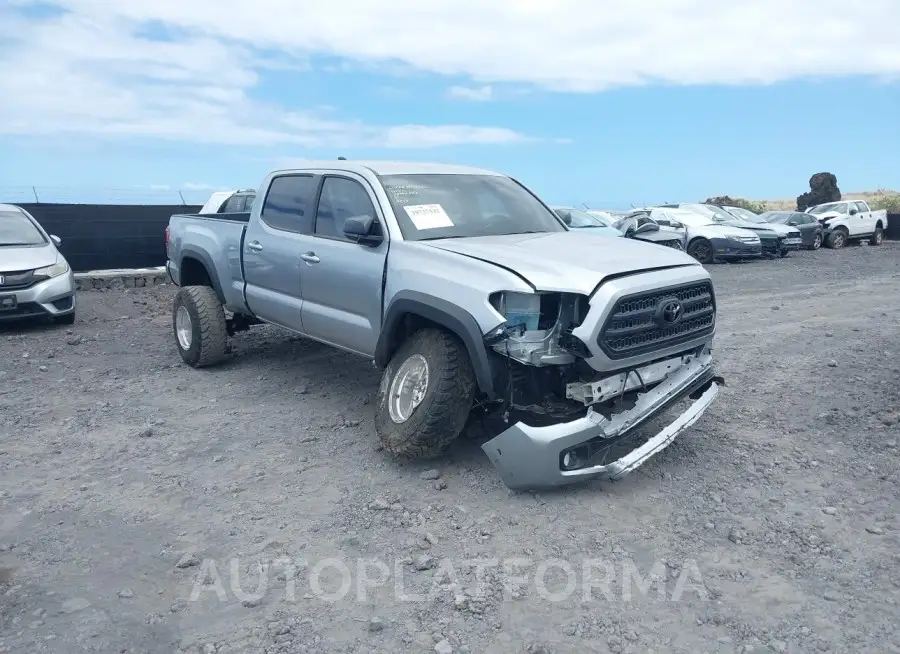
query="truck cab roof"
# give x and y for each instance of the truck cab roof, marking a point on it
(389, 168)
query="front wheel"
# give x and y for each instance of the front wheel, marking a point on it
(425, 395)
(817, 241)
(198, 321)
(877, 237)
(701, 250)
(837, 239)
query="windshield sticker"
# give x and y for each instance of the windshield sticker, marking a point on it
(428, 216)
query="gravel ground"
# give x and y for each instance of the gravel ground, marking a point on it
(130, 485)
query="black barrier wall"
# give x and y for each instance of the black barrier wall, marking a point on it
(103, 236)
(893, 230)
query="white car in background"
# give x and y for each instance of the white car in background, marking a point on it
(850, 220)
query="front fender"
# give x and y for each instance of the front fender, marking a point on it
(441, 312)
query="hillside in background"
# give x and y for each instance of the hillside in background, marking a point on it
(788, 204)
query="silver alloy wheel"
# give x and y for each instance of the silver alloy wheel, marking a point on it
(879, 237)
(184, 328)
(408, 388)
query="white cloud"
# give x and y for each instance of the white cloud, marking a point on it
(478, 94)
(87, 72)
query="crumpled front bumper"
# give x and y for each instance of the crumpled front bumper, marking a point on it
(529, 458)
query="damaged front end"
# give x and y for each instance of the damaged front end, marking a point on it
(571, 421)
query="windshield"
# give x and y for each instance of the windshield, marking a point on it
(17, 229)
(776, 217)
(439, 206)
(719, 215)
(745, 214)
(831, 206)
(583, 219)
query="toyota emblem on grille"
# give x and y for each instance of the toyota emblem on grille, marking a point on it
(669, 312)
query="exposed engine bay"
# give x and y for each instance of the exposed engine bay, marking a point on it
(546, 377)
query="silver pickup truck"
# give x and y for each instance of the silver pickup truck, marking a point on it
(470, 293)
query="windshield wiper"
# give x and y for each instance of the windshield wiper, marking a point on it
(441, 238)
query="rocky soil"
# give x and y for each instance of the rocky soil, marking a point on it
(149, 507)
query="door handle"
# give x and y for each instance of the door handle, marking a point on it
(256, 246)
(310, 257)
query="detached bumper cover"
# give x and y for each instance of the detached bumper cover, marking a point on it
(528, 458)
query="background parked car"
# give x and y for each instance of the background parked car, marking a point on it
(811, 230)
(239, 201)
(35, 279)
(579, 219)
(772, 243)
(705, 239)
(647, 230)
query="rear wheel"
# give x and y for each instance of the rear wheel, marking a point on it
(198, 322)
(877, 237)
(838, 238)
(425, 395)
(701, 250)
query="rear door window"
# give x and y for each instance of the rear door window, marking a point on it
(290, 202)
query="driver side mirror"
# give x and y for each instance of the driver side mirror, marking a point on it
(793, 223)
(57, 241)
(647, 227)
(359, 229)
(853, 212)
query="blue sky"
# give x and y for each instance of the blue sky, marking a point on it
(582, 101)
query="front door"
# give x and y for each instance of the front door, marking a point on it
(272, 247)
(341, 281)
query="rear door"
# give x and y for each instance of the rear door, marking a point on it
(272, 247)
(341, 280)
(866, 218)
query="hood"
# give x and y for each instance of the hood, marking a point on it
(781, 230)
(828, 215)
(760, 230)
(598, 231)
(569, 262)
(27, 258)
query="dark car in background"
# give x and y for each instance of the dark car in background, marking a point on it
(812, 233)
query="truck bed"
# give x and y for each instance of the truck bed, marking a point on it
(216, 241)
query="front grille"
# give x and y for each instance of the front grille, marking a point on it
(18, 280)
(635, 326)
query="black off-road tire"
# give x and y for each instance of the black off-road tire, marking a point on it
(701, 249)
(442, 415)
(209, 333)
(877, 237)
(837, 239)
